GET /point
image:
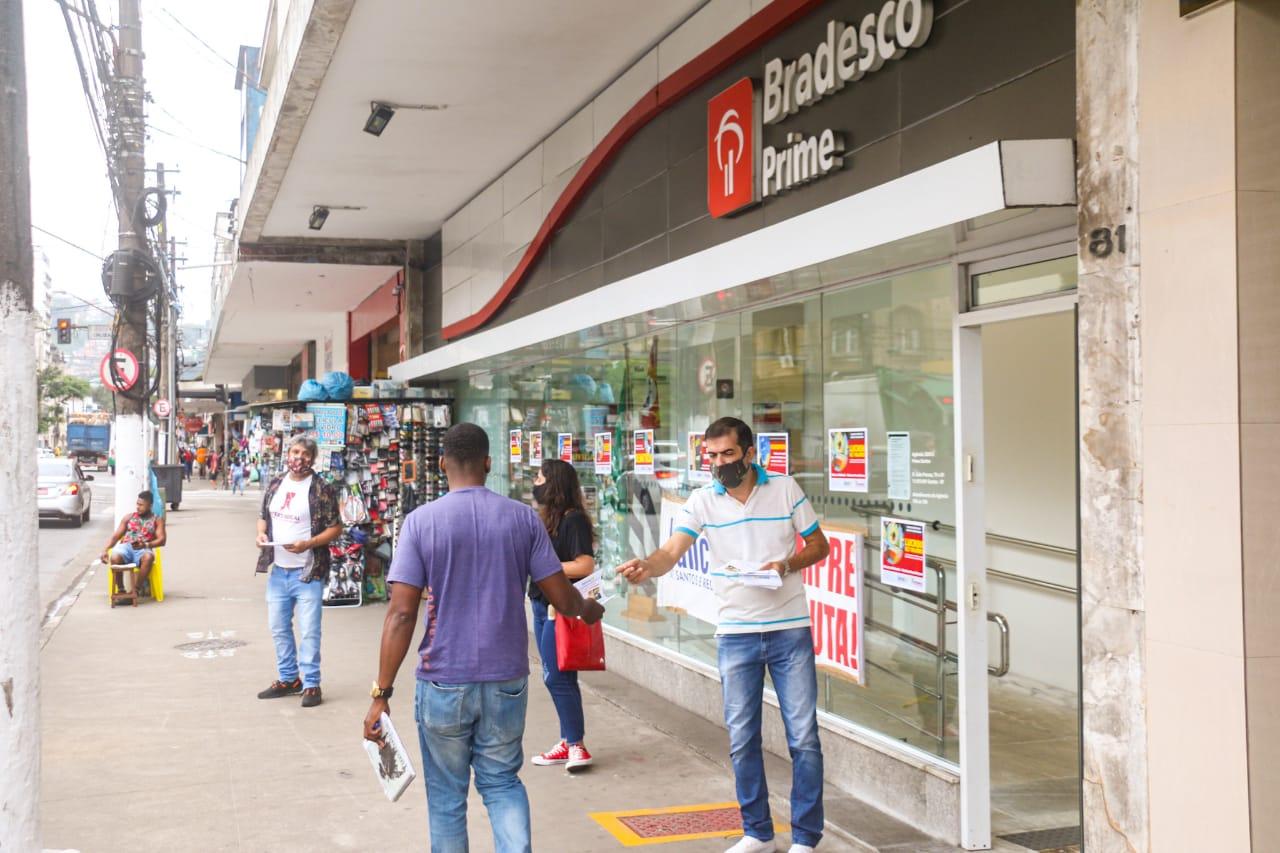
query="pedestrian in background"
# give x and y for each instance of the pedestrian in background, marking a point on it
(187, 458)
(299, 510)
(237, 476)
(752, 517)
(202, 460)
(558, 496)
(474, 552)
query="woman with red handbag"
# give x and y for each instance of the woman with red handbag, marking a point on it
(558, 497)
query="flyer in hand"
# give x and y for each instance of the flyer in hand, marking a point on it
(390, 762)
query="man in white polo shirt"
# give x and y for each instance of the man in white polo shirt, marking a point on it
(751, 519)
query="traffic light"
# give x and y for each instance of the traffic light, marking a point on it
(64, 330)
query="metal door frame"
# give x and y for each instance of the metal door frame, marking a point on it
(971, 547)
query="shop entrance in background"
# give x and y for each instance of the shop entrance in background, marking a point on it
(1016, 544)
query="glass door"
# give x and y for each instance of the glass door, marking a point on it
(1018, 594)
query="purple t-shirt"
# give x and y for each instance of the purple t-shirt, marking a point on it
(473, 552)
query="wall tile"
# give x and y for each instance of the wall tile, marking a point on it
(553, 188)
(522, 223)
(1260, 508)
(643, 257)
(488, 250)
(1262, 676)
(456, 304)
(1190, 367)
(687, 190)
(484, 285)
(636, 218)
(1257, 95)
(706, 232)
(486, 208)
(1258, 268)
(567, 146)
(511, 260)
(623, 94)
(1186, 67)
(575, 247)
(522, 180)
(704, 28)
(1196, 745)
(457, 266)
(1191, 536)
(646, 157)
(456, 231)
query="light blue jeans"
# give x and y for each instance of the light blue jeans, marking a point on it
(789, 656)
(285, 594)
(476, 726)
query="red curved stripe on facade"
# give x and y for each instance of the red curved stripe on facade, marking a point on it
(761, 27)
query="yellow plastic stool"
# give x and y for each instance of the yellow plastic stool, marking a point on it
(155, 579)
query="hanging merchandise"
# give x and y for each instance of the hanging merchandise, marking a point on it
(351, 507)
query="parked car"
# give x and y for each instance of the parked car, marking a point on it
(62, 491)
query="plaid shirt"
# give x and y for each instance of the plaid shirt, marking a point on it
(323, 504)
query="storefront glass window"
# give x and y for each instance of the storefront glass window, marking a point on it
(876, 356)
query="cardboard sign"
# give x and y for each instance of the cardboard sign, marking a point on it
(330, 423)
(773, 450)
(564, 447)
(535, 448)
(643, 439)
(516, 443)
(603, 454)
(833, 587)
(847, 459)
(699, 464)
(902, 553)
(279, 420)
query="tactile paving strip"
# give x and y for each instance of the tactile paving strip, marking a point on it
(718, 821)
(1063, 838)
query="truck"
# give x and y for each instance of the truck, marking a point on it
(89, 443)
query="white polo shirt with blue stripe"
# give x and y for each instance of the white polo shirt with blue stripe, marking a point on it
(761, 530)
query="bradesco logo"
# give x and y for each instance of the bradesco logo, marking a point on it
(740, 169)
(733, 145)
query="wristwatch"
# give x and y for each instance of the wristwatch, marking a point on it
(786, 566)
(381, 692)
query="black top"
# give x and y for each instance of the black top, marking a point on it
(572, 540)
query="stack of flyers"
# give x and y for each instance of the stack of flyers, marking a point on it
(390, 761)
(750, 573)
(592, 587)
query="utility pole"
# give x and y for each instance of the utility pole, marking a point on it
(19, 673)
(131, 455)
(171, 364)
(164, 331)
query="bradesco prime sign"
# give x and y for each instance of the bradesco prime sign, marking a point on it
(740, 171)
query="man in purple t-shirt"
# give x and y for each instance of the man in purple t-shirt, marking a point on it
(470, 554)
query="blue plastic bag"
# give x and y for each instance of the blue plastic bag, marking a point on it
(312, 392)
(338, 385)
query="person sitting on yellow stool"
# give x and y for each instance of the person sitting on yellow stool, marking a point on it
(138, 535)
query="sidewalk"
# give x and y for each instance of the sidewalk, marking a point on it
(146, 748)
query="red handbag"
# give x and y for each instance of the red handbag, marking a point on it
(579, 646)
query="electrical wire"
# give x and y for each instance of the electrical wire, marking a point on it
(68, 242)
(182, 138)
(241, 75)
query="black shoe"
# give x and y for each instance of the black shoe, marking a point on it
(311, 697)
(280, 688)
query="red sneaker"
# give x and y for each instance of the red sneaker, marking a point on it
(558, 754)
(578, 757)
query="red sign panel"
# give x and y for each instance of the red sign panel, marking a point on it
(732, 144)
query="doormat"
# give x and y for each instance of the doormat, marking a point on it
(638, 827)
(1063, 839)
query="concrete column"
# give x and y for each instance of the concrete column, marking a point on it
(1110, 370)
(412, 311)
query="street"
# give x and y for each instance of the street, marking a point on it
(65, 551)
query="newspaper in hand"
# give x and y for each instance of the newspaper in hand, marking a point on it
(390, 761)
(592, 586)
(750, 573)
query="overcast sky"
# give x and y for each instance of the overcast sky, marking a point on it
(196, 108)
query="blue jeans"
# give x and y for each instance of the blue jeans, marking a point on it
(285, 593)
(789, 656)
(134, 555)
(563, 686)
(480, 726)
(237, 484)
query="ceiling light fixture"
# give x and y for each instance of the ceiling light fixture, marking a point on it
(380, 113)
(320, 213)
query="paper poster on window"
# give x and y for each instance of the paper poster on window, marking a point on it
(643, 439)
(773, 450)
(564, 447)
(833, 587)
(698, 464)
(847, 459)
(535, 448)
(517, 446)
(604, 453)
(899, 465)
(902, 553)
